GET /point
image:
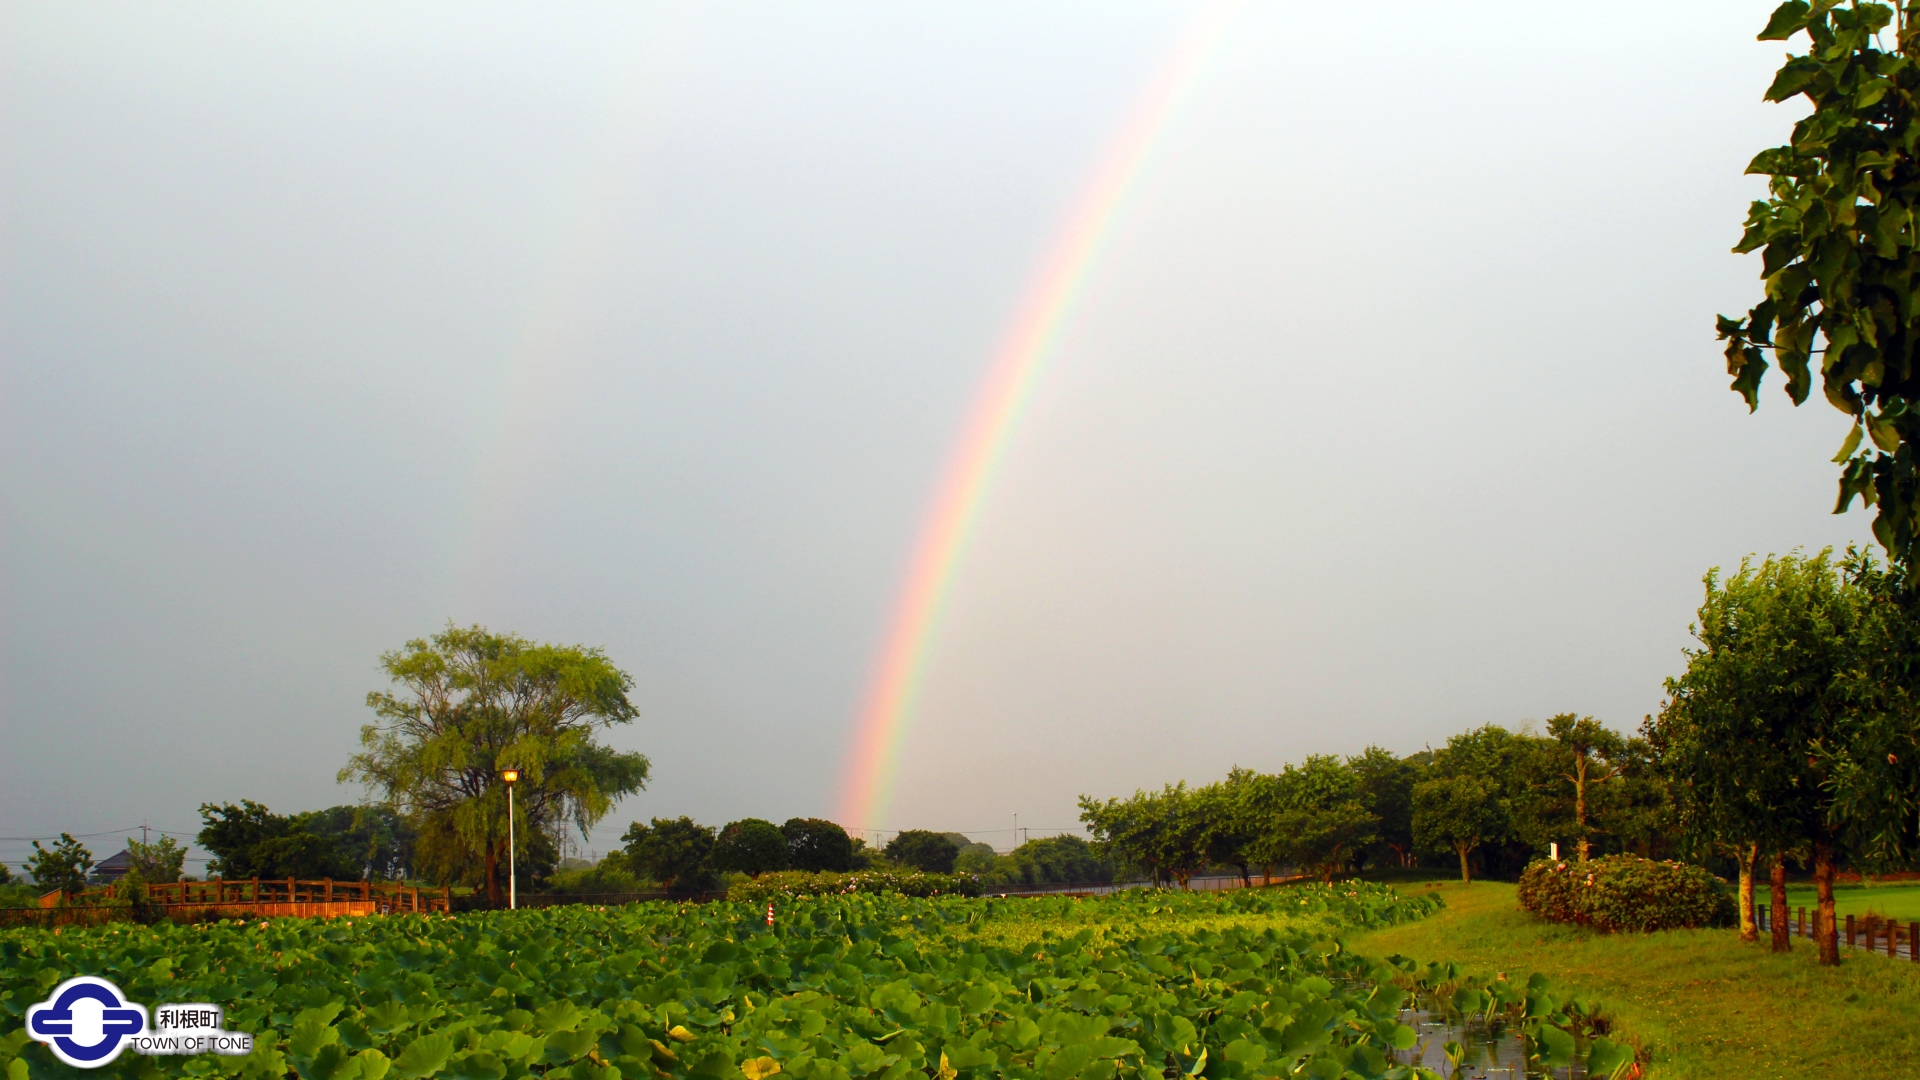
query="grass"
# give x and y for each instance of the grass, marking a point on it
(1700, 1002)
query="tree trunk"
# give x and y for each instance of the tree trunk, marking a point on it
(1465, 877)
(1777, 909)
(493, 877)
(1826, 933)
(1748, 931)
(1580, 805)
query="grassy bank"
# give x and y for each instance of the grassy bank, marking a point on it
(1702, 1003)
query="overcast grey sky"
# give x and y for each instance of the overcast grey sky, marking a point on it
(1393, 408)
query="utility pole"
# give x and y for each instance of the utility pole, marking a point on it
(143, 832)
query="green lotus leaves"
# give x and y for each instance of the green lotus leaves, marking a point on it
(424, 1056)
(844, 988)
(1607, 1059)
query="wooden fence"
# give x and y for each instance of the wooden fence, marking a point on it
(1870, 934)
(271, 897)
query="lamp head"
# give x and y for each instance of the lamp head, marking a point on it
(510, 775)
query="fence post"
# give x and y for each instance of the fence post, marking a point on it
(1913, 942)
(1849, 931)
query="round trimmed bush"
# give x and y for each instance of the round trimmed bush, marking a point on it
(1626, 892)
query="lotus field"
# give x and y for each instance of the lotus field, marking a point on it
(880, 987)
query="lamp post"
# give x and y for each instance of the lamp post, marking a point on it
(511, 776)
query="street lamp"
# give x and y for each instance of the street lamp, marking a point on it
(511, 776)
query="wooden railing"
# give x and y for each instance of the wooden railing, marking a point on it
(272, 895)
(1872, 933)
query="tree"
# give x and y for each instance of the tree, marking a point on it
(1059, 859)
(161, 860)
(1458, 813)
(1164, 832)
(1587, 752)
(1840, 230)
(1749, 731)
(1385, 785)
(750, 846)
(1231, 829)
(250, 841)
(375, 838)
(63, 866)
(923, 850)
(473, 703)
(1874, 766)
(1323, 823)
(817, 844)
(673, 851)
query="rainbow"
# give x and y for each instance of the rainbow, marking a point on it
(1047, 310)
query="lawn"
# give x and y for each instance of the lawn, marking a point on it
(1702, 1003)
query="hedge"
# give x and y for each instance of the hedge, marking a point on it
(1626, 892)
(796, 884)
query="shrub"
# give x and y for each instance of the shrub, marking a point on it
(796, 884)
(1626, 892)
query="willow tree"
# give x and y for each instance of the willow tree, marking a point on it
(470, 703)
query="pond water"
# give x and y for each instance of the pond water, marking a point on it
(1498, 1053)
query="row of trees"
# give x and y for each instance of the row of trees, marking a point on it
(680, 853)
(1490, 795)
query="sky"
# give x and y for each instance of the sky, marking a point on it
(1389, 405)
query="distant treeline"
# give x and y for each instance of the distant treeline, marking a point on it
(683, 855)
(1491, 799)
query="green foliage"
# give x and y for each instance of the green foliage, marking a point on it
(1322, 823)
(473, 703)
(1626, 892)
(612, 874)
(817, 844)
(1839, 234)
(375, 838)
(931, 852)
(1165, 832)
(63, 866)
(673, 852)
(798, 884)
(874, 986)
(1776, 641)
(1384, 784)
(1458, 813)
(750, 846)
(1049, 860)
(160, 860)
(250, 841)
